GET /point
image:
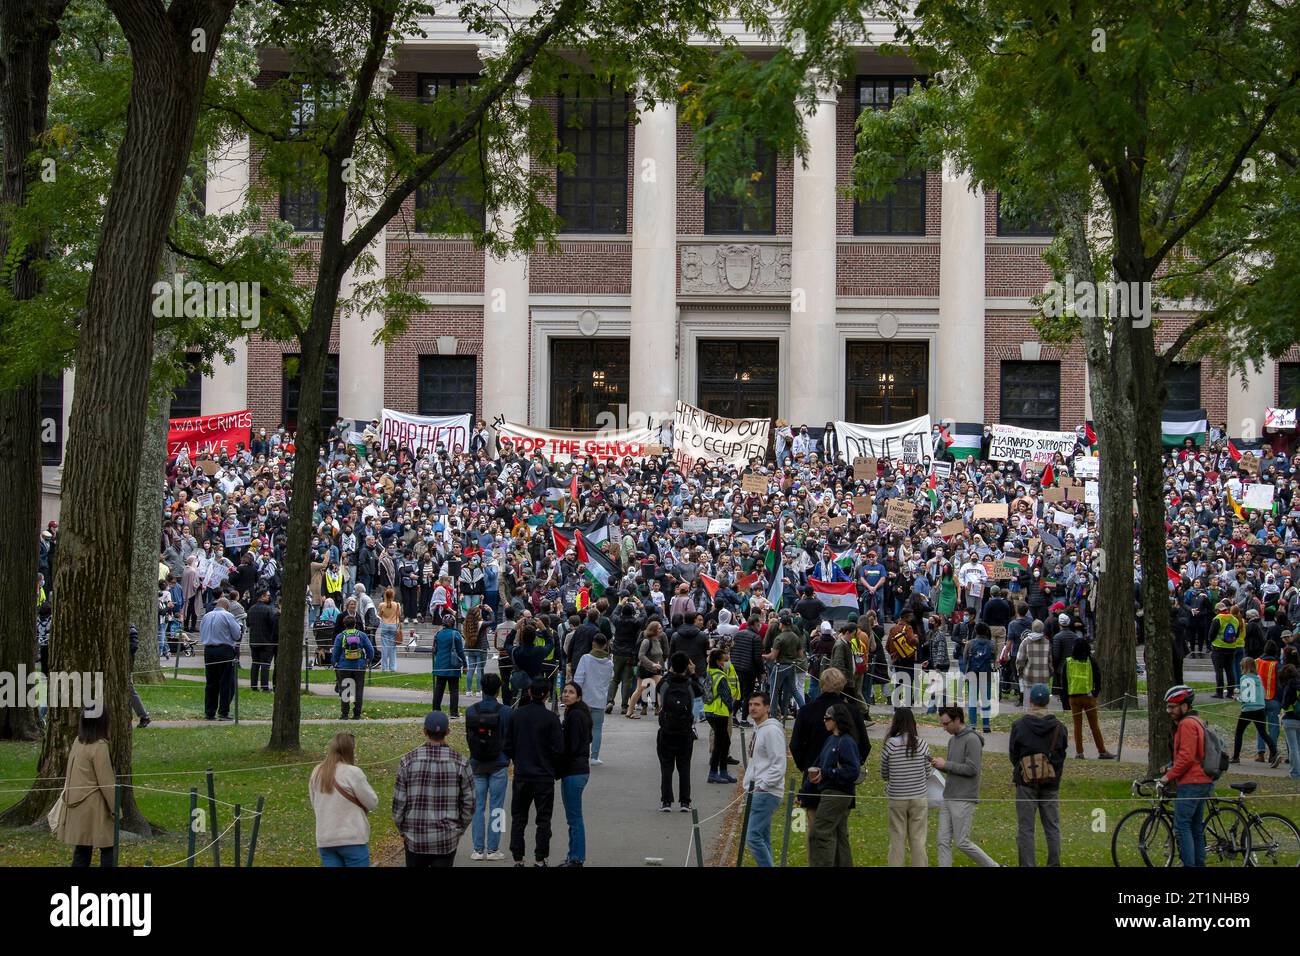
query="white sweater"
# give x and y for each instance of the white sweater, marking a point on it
(766, 769)
(339, 821)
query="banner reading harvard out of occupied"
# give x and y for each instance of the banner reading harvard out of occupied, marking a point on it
(699, 436)
(561, 447)
(903, 442)
(209, 434)
(424, 431)
(1010, 443)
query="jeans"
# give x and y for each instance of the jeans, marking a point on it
(571, 788)
(624, 676)
(1291, 728)
(1272, 719)
(388, 647)
(1045, 802)
(358, 854)
(758, 835)
(528, 793)
(980, 688)
(489, 788)
(475, 660)
(597, 726)
(784, 686)
(1189, 822)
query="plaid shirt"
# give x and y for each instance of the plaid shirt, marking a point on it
(433, 799)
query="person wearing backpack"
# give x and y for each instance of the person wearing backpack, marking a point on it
(902, 644)
(1225, 639)
(1081, 678)
(721, 688)
(676, 739)
(1193, 748)
(978, 668)
(1037, 750)
(486, 723)
(353, 653)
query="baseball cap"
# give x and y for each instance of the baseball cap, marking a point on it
(826, 627)
(1063, 620)
(436, 722)
(1039, 695)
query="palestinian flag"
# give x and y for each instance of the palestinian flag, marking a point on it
(710, 585)
(1174, 577)
(964, 440)
(744, 581)
(596, 533)
(1177, 426)
(598, 568)
(932, 489)
(1049, 476)
(1233, 451)
(1086, 436)
(772, 564)
(846, 559)
(562, 543)
(836, 595)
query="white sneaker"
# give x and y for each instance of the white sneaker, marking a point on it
(498, 855)
(597, 762)
(476, 855)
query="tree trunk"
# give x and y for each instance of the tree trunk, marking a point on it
(28, 30)
(101, 473)
(148, 524)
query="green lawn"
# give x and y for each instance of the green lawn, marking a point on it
(174, 760)
(1094, 796)
(183, 700)
(420, 680)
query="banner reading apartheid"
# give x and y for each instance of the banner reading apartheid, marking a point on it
(562, 446)
(1010, 443)
(903, 442)
(424, 431)
(699, 436)
(209, 434)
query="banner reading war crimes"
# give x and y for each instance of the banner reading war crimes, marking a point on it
(561, 447)
(209, 434)
(1010, 443)
(903, 442)
(424, 431)
(699, 436)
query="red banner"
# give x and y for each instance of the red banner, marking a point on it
(209, 434)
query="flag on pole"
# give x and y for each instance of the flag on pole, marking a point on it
(932, 489)
(598, 568)
(1236, 508)
(1049, 476)
(710, 585)
(772, 563)
(744, 581)
(573, 488)
(562, 543)
(1174, 577)
(1233, 452)
(966, 438)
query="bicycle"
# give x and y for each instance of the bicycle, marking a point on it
(1145, 836)
(1266, 839)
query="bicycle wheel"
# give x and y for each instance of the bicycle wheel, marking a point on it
(1274, 841)
(1142, 838)
(1227, 837)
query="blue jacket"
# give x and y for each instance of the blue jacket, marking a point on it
(357, 665)
(448, 653)
(839, 763)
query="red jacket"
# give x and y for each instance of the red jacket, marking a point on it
(1189, 751)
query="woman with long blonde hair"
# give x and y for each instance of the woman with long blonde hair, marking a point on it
(390, 629)
(342, 798)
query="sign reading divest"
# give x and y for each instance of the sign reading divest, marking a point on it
(1010, 443)
(554, 446)
(424, 431)
(699, 436)
(209, 434)
(902, 442)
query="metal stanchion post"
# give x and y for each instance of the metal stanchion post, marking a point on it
(212, 819)
(1123, 719)
(257, 824)
(194, 805)
(237, 822)
(789, 819)
(695, 831)
(117, 823)
(744, 825)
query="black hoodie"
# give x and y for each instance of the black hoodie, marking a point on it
(1032, 734)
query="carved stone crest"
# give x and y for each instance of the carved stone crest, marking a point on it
(745, 268)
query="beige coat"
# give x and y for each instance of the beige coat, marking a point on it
(88, 817)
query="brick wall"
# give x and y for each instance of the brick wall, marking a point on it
(1014, 269)
(887, 268)
(443, 265)
(690, 195)
(402, 356)
(582, 268)
(265, 376)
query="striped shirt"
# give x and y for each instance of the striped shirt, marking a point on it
(907, 776)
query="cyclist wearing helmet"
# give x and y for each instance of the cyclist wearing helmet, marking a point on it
(1194, 784)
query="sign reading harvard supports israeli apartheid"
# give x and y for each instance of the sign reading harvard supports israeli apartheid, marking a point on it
(699, 436)
(397, 430)
(903, 442)
(556, 446)
(1010, 443)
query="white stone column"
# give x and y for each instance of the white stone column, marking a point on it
(815, 389)
(226, 389)
(361, 358)
(653, 385)
(960, 388)
(1248, 398)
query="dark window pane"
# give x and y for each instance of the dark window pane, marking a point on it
(739, 378)
(457, 185)
(756, 213)
(187, 399)
(902, 212)
(588, 377)
(447, 384)
(52, 419)
(1031, 395)
(1183, 382)
(301, 204)
(886, 382)
(1288, 384)
(1009, 225)
(329, 411)
(592, 197)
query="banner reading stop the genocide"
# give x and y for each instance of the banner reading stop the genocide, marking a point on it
(699, 436)
(209, 434)
(397, 430)
(561, 447)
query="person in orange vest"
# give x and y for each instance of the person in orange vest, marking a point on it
(1266, 667)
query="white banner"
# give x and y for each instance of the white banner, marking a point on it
(699, 436)
(1087, 467)
(422, 431)
(1277, 419)
(1010, 443)
(562, 447)
(907, 442)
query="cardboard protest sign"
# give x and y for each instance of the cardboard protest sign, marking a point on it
(953, 527)
(719, 526)
(754, 484)
(1258, 497)
(861, 505)
(1055, 494)
(696, 525)
(995, 511)
(899, 513)
(1249, 463)
(866, 469)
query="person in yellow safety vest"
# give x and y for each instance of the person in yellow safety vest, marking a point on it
(1227, 634)
(1082, 679)
(723, 685)
(333, 578)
